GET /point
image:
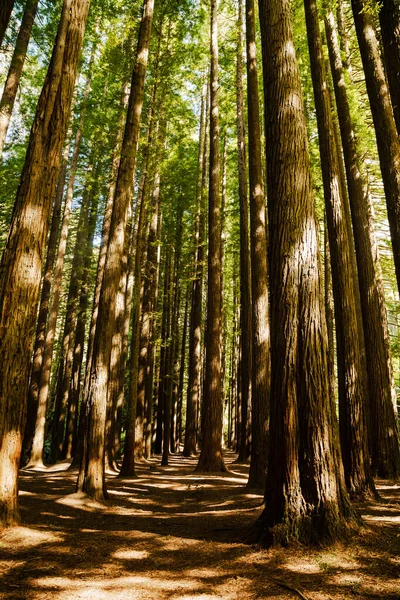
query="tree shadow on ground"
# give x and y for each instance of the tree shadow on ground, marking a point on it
(174, 534)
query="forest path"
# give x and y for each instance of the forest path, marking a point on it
(173, 534)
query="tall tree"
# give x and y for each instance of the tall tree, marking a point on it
(260, 373)
(21, 265)
(15, 71)
(245, 288)
(353, 387)
(6, 8)
(211, 458)
(382, 113)
(383, 429)
(305, 493)
(91, 477)
(389, 18)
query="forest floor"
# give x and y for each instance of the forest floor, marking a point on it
(173, 534)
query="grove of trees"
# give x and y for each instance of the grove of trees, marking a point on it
(200, 247)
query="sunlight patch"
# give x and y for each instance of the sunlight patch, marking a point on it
(130, 554)
(28, 537)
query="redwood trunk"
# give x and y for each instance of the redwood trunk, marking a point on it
(6, 8)
(389, 18)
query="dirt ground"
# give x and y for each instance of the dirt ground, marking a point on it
(172, 534)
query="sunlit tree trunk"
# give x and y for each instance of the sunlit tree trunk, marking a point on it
(382, 113)
(305, 494)
(260, 374)
(211, 459)
(383, 429)
(21, 265)
(91, 477)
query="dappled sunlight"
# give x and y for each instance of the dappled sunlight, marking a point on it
(175, 535)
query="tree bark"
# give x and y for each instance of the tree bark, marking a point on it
(305, 494)
(385, 127)
(261, 367)
(6, 8)
(196, 315)
(21, 265)
(353, 386)
(211, 459)
(91, 477)
(245, 277)
(383, 429)
(389, 18)
(14, 73)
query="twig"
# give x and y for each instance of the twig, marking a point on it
(290, 588)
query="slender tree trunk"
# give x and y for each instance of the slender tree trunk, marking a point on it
(260, 373)
(344, 37)
(21, 265)
(211, 459)
(91, 477)
(385, 126)
(389, 18)
(196, 315)
(32, 425)
(78, 339)
(353, 386)
(245, 278)
(14, 73)
(179, 432)
(6, 8)
(383, 429)
(305, 494)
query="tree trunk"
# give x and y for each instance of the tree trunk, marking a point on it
(389, 18)
(305, 494)
(353, 386)
(14, 73)
(385, 126)
(260, 374)
(91, 477)
(196, 315)
(21, 265)
(383, 429)
(211, 459)
(6, 8)
(245, 289)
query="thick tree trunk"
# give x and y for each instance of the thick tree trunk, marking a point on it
(21, 265)
(385, 126)
(261, 368)
(383, 429)
(91, 477)
(245, 286)
(389, 18)
(6, 8)
(14, 73)
(305, 494)
(211, 459)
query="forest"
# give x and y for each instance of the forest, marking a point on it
(199, 299)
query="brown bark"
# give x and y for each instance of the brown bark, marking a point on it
(261, 367)
(305, 494)
(389, 18)
(383, 429)
(245, 278)
(211, 459)
(21, 265)
(196, 315)
(14, 73)
(6, 8)
(353, 386)
(385, 127)
(91, 477)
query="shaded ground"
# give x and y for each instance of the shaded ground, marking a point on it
(171, 534)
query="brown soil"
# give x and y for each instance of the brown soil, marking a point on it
(173, 534)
